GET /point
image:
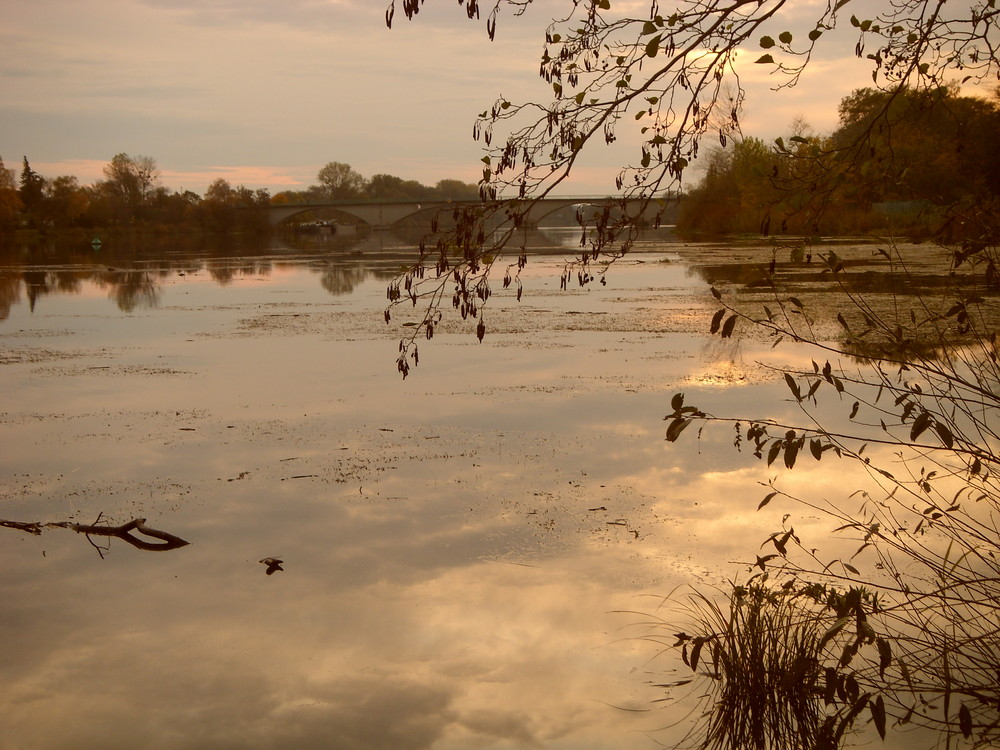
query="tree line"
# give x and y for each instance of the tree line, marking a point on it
(894, 160)
(132, 197)
(339, 181)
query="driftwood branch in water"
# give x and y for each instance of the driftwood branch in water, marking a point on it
(167, 541)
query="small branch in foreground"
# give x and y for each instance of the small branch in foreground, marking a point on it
(167, 541)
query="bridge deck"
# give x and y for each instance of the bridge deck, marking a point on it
(384, 214)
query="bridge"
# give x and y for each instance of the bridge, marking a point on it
(381, 215)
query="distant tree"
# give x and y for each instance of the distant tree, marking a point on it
(456, 190)
(737, 191)
(338, 181)
(220, 192)
(130, 180)
(932, 144)
(229, 209)
(32, 186)
(297, 196)
(10, 202)
(65, 202)
(387, 186)
(218, 205)
(7, 180)
(929, 148)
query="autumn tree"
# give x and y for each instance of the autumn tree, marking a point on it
(129, 182)
(10, 201)
(926, 150)
(338, 181)
(737, 192)
(65, 201)
(228, 209)
(31, 187)
(456, 190)
(391, 187)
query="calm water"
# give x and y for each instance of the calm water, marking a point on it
(465, 550)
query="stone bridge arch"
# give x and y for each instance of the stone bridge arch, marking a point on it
(384, 214)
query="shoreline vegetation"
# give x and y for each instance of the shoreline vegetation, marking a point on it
(941, 158)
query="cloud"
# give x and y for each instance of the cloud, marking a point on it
(272, 91)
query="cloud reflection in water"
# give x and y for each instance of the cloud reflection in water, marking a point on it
(456, 546)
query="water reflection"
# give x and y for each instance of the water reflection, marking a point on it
(454, 546)
(133, 275)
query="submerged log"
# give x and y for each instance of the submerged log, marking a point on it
(123, 532)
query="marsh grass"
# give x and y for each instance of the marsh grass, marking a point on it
(758, 649)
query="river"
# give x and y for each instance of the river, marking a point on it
(478, 556)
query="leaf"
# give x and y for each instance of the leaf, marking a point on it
(696, 652)
(716, 293)
(878, 715)
(717, 320)
(728, 326)
(796, 301)
(945, 434)
(921, 423)
(830, 690)
(833, 630)
(773, 452)
(653, 46)
(854, 410)
(965, 721)
(764, 59)
(766, 42)
(763, 561)
(793, 387)
(766, 500)
(816, 448)
(813, 388)
(677, 401)
(791, 451)
(676, 427)
(785, 37)
(815, 34)
(884, 655)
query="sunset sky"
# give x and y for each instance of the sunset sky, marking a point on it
(263, 93)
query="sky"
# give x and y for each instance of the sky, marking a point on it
(263, 93)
